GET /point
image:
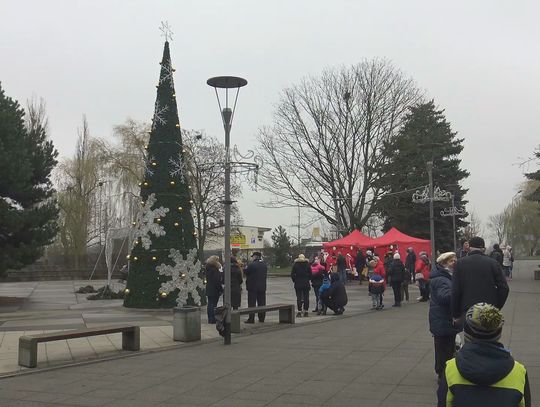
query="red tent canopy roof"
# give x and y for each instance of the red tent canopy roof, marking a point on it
(355, 238)
(394, 236)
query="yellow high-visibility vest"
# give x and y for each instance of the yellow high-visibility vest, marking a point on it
(515, 380)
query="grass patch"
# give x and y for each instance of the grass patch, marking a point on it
(279, 271)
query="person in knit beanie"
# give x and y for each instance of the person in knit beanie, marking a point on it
(484, 373)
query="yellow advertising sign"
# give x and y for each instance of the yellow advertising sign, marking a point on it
(238, 240)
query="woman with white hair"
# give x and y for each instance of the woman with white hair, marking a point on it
(440, 313)
(507, 262)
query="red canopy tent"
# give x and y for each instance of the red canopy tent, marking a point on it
(349, 244)
(396, 238)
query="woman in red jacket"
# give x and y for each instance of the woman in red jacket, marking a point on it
(378, 268)
(422, 269)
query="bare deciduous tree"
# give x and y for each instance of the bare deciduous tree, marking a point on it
(497, 226)
(78, 180)
(324, 149)
(474, 228)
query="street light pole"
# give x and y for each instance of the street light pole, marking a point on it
(431, 215)
(227, 114)
(453, 212)
(454, 223)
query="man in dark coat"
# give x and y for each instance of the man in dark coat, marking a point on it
(341, 264)
(214, 286)
(236, 283)
(410, 261)
(477, 278)
(464, 251)
(335, 297)
(497, 254)
(256, 273)
(360, 263)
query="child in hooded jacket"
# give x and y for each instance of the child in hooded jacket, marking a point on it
(376, 290)
(325, 286)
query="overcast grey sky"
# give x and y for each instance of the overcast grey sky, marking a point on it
(479, 60)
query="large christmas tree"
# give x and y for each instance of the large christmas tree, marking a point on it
(163, 265)
(425, 136)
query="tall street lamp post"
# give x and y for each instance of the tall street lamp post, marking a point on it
(431, 194)
(227, 115)
(453, 212)
(431, 215)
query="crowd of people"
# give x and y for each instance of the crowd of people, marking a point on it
(466, 292)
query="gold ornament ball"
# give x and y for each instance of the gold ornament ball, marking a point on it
(158, 220)
(163, 295)
(128, 256)
(135, 258)
(176, 224)
(172, 182)
(154, 258)
(179, 208)
(154, 164)
(178, 125)
(145, 184)
(126, 291)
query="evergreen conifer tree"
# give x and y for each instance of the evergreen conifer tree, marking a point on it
(163, 266)
(282, 246)
(28, 213)
(425, 136)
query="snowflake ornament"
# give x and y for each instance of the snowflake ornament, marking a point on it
(184, 276)
(148, 166)
(159, 112)
(168, 74)
(146, 224)
(178, 167)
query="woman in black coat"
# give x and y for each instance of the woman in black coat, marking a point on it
(396, 275)
(440, 313)
(214, 286)
(236, 284)
(301, 276)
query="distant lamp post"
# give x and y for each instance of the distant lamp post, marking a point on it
(430, 194)
(453, 212)
(227, 115)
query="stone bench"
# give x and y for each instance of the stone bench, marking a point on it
(286, 314)
(28, 344)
